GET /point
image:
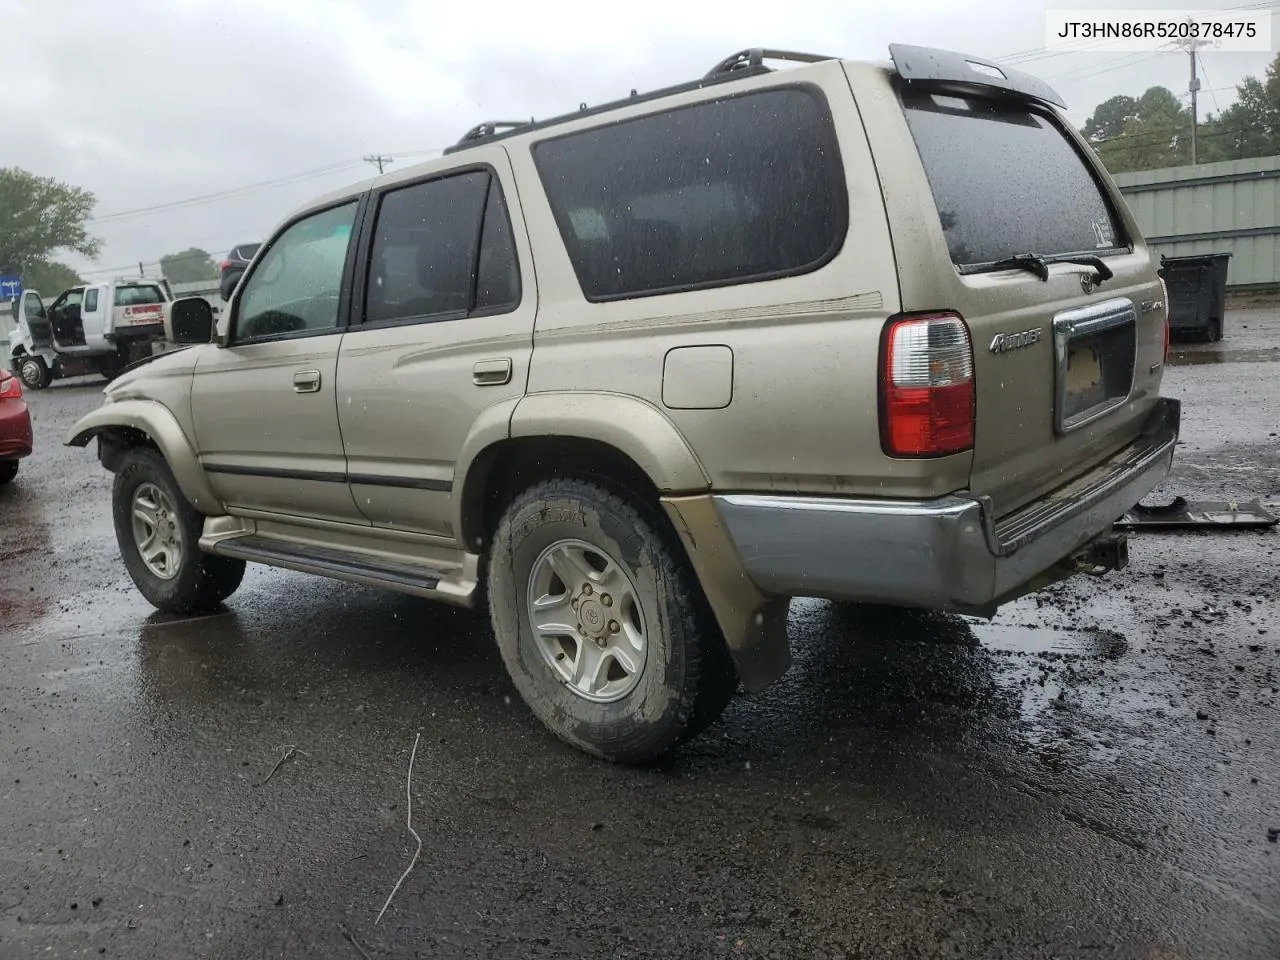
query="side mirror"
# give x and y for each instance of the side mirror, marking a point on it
(189, 320)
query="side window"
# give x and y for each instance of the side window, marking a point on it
(498, 271)
(295, 287)
(422, 260)
(730, 191)
(91, 300)
(34, 308)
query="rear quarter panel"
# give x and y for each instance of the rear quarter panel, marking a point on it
(803, 415)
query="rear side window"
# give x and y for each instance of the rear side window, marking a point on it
(442, 249)
(134, 296)
(740, 189)
(1007, 180)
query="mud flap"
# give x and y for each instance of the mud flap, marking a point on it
(1182, 514)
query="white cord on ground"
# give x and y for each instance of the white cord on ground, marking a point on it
(408, 792)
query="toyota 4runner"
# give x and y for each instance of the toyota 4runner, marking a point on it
(639, 374)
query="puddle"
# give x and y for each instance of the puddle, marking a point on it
(1199, 357)
(1063, 642)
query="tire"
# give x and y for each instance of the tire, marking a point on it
(8, 470)
(192, 581)
(682, 678)
(1215, 330)
(33, 372)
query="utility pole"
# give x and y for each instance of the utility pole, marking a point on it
(1192, 46)
(379, 160)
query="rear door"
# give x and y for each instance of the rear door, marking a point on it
(441, 335)
(1066, 368)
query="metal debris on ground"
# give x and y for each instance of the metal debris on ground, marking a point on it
(354, 942)
(1182, 514)
(408, 793)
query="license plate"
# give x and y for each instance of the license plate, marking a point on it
(1096, 351)
(1084, 368)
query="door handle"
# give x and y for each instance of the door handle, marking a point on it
(306, 381)
(491, 373)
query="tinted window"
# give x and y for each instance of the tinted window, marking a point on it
(91, 300)
(726, 192)
(246, 250)
(295, 286)
(133, 296)
(498, 273)
(1006, 180)
(441, 248)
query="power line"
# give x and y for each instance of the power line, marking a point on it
(378, 159)
(228, 193)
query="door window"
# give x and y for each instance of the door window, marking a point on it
(442, 249)
(295, 288)
(91, 300)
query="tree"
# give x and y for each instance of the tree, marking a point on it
(1153, 130)
(39, 215)
(1250, 127)
(190, 265)
(50, 278)
(1109, 118)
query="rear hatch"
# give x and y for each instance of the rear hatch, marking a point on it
(1068, 344)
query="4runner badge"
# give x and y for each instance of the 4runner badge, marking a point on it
(1004, 342)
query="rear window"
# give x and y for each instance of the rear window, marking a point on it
(133, 296)
(247, 250)
(1006, 180)
(740, 189)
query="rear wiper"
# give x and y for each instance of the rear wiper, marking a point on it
(1039, 265)
(1027, 261)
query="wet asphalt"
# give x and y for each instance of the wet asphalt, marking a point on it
(1093, 774)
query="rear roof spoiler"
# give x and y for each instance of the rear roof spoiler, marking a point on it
(957, 71)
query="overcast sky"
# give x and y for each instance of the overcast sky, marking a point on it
(152, 102)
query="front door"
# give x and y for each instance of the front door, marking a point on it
(64, 315)
(441, 332)
(38, 327)
(265, 406)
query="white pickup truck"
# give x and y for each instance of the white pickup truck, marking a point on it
(92, 328)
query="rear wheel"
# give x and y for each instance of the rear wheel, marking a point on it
(8, 470)
(1214, 331)
(601, 623)
(159, 537)
(33, 372)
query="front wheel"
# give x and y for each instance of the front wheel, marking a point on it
(34, 373)
(601, 623)
(159, 536)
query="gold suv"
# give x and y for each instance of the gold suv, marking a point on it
(637, 375)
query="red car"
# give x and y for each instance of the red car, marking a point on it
(15, 426)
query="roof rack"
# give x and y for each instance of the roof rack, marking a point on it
(491, 127)
(754, 59)
(745, 63)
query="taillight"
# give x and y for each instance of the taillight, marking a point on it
(926, 386)
(224, 264)
(1164, 290)
(10, 388)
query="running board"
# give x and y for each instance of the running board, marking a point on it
(456, 586)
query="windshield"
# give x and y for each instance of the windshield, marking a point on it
(1006, 180)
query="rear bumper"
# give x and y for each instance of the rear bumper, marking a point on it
(948, 553)
(15, 430)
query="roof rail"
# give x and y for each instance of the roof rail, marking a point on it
(754, 59)
(747, 63)
(491, 127)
